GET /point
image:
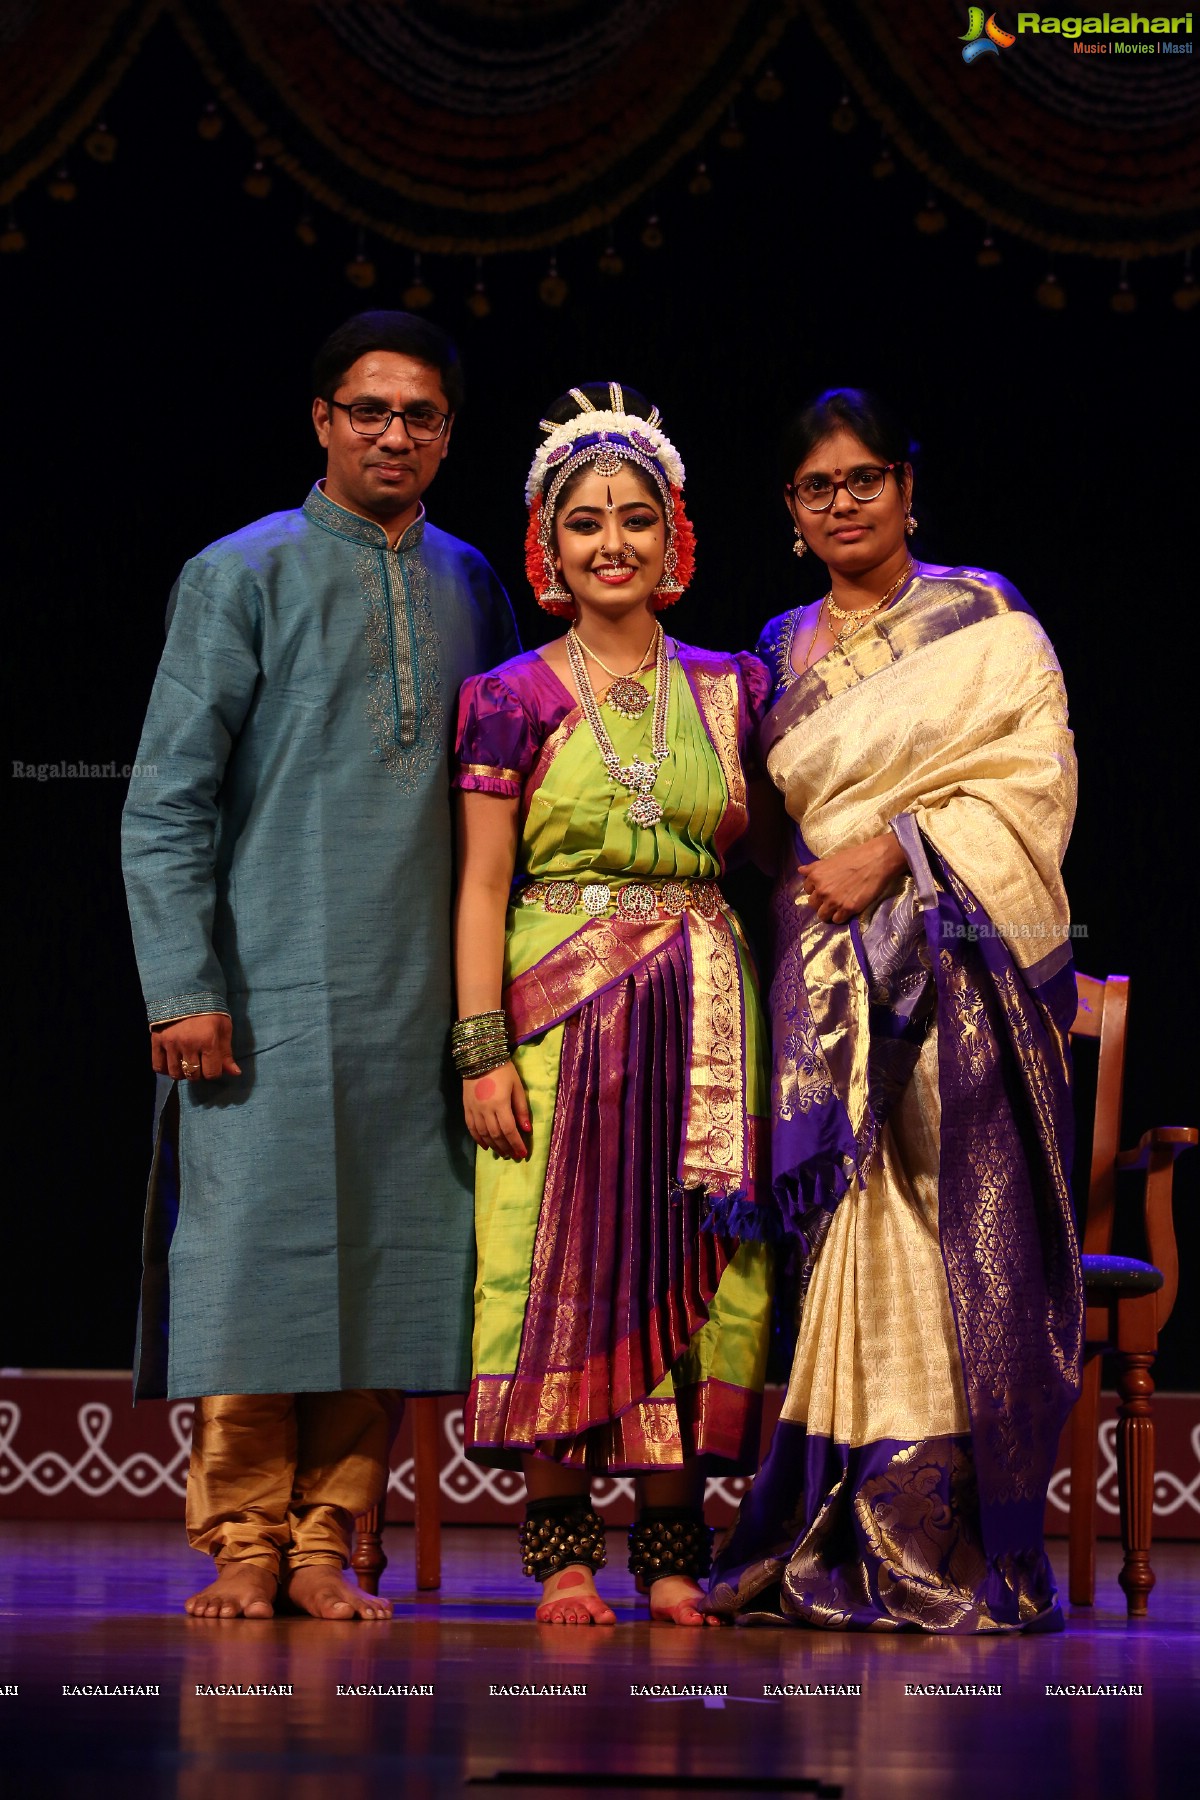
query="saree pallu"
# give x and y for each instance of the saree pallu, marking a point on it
(922, 1132)
(622, 1304)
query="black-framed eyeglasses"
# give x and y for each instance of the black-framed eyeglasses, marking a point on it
(424, 424)
(817, 493)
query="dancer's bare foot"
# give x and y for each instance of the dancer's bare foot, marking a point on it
(322, 1590)
(570, 1598)
(242, 1590)
(675, 1600)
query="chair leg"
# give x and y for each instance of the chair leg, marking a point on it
(1081, 1555)
(427, 1489)
(1135, 1476)
(368, 1560)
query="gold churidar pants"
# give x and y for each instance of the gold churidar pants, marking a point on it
(280, 1478)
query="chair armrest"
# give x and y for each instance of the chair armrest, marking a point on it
(1173, 1138)
(1155, 1156)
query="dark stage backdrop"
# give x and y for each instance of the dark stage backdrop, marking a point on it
(155, 352)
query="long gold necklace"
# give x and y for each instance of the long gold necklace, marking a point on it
(639, 776)
(859, 614)
(625, 695)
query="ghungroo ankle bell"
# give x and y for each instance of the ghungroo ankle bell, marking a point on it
(556, 1533)
(669, 1540)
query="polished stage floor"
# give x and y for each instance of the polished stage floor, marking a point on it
(89, 1605)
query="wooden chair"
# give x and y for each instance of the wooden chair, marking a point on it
(368, 1560)
(1128, 1303)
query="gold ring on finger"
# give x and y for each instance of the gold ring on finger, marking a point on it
(188, 1068)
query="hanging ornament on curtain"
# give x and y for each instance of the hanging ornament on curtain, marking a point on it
(306, 231)
(732, 137)
(610, 262)
(100, 143)
(478, 303)
(552, 289)
(60, 187)
(883, 166)
(701, 181)
(768, 87)
(12, 238)
(1184, 297)
(931, 219)
(210, 124)
(1051, 294)
(652, 233)
(1123, 299)
(987, 256)
(843, 117)
(258, 182)
(360, 270)
(418, 294)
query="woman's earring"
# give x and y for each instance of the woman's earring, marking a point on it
(554, 597)
(799, 548)
(910, 524)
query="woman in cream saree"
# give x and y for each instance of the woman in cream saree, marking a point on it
(921, 1126)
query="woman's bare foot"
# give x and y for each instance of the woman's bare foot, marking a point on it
(242, 1590)
(322, 1590)
(570, 1598)
(675, 1600)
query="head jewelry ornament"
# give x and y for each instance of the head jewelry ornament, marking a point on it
(605, 438)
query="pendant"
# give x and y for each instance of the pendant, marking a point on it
(645, 810)
(638, 775)
(627, 697)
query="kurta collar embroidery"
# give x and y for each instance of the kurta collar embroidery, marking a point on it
(351, 525)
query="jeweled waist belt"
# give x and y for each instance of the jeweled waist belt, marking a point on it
(646, 899)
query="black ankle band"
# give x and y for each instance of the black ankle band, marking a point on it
(669, 1540)
(556, 1533)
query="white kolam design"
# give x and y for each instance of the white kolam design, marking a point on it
(93, 1471)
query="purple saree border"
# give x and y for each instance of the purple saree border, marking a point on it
(1006, 1144)
(814, 1543)
(935, 603)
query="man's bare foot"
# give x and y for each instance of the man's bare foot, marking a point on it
(676, 1600)
(322, 1590)
(242, 1590)
(570, 1598)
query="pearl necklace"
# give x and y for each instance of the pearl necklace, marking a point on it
(638, 776)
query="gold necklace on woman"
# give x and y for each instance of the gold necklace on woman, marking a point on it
(638, 776)
(625, 695)
(832, 611)
(862, 613)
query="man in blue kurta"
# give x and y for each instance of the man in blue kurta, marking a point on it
(287, 850)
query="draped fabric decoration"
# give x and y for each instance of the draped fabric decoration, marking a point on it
(474, 126)
(58, 65)
(1095, 155)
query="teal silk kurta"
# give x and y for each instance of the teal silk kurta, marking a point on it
(288, 860)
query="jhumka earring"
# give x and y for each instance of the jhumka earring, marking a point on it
(910, 524)
(554, 597)
(799, 548)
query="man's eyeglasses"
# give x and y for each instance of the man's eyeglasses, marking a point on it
(816, 493)
(424, 424)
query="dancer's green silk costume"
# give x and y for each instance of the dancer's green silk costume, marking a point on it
(521, 733)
